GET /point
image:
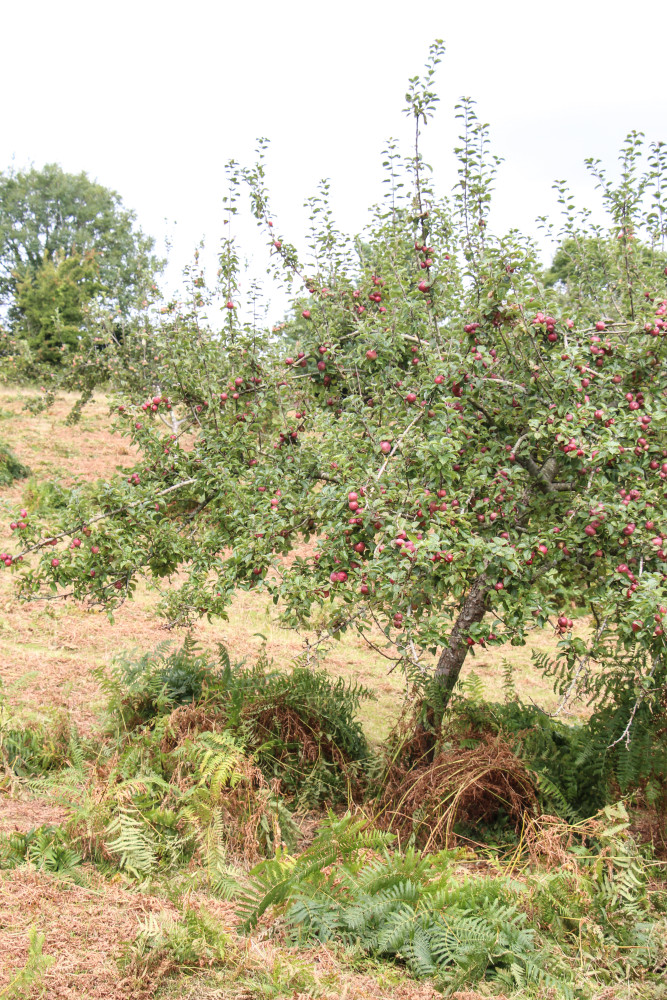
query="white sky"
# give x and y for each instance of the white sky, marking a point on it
(152, 99)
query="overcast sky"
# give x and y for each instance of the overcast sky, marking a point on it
(152, 99)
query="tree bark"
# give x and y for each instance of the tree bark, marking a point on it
(454, 653)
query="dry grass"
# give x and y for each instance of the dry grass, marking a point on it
(468, 786)
(21, 814)
(86, 930)
(328, 979)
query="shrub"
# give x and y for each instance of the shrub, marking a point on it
(303, 730)
(165, 944)
(142, 687)
(180, 787)
(48, 848)
(568, 782)
(300, 726)
(11, 468)
(28, 750)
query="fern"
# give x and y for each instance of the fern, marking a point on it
(461, 931)
(140, 688)
(129, 837)
(300, 726)
(572, 778)
(29, 750)
(195, 939)
(47, 848)
(219, 760)
(23, 983)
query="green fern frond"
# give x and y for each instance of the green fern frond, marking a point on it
(132, 841)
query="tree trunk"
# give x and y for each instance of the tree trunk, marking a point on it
(452, 656)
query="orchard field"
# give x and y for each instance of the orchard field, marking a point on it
(333, 652)
(92, 923)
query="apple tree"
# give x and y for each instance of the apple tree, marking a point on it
(439, 450)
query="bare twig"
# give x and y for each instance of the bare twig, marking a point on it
(625, 735)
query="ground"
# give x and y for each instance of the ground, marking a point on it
(49, 651)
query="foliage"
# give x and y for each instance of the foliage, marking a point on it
(176, 782)
(625, 741)
(36, 749)
(572, 781)
(164, 944)
(53, 303)
(10, 467)
(141, 687)
(300, 726)
(303, 728)
(47, 848)
(430, 793)
(461, 928)
(45, 496)
(47, 212)
(578, 767)
(450, 437)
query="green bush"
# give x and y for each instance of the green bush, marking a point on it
(48, 848)
(142, 688)
(29, 750)
(581, 767)
(570, 783)
(300, 726)
(10, 467)
(44, 496)
(165, 945)
(303, 729)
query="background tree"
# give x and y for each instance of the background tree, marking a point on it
(54, 303)
(47, 212)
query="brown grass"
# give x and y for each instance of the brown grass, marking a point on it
(21, 814)
(457, 786)
(86, 930)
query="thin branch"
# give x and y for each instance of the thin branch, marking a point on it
(101, 517)
(397, 444)
(625, 735)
